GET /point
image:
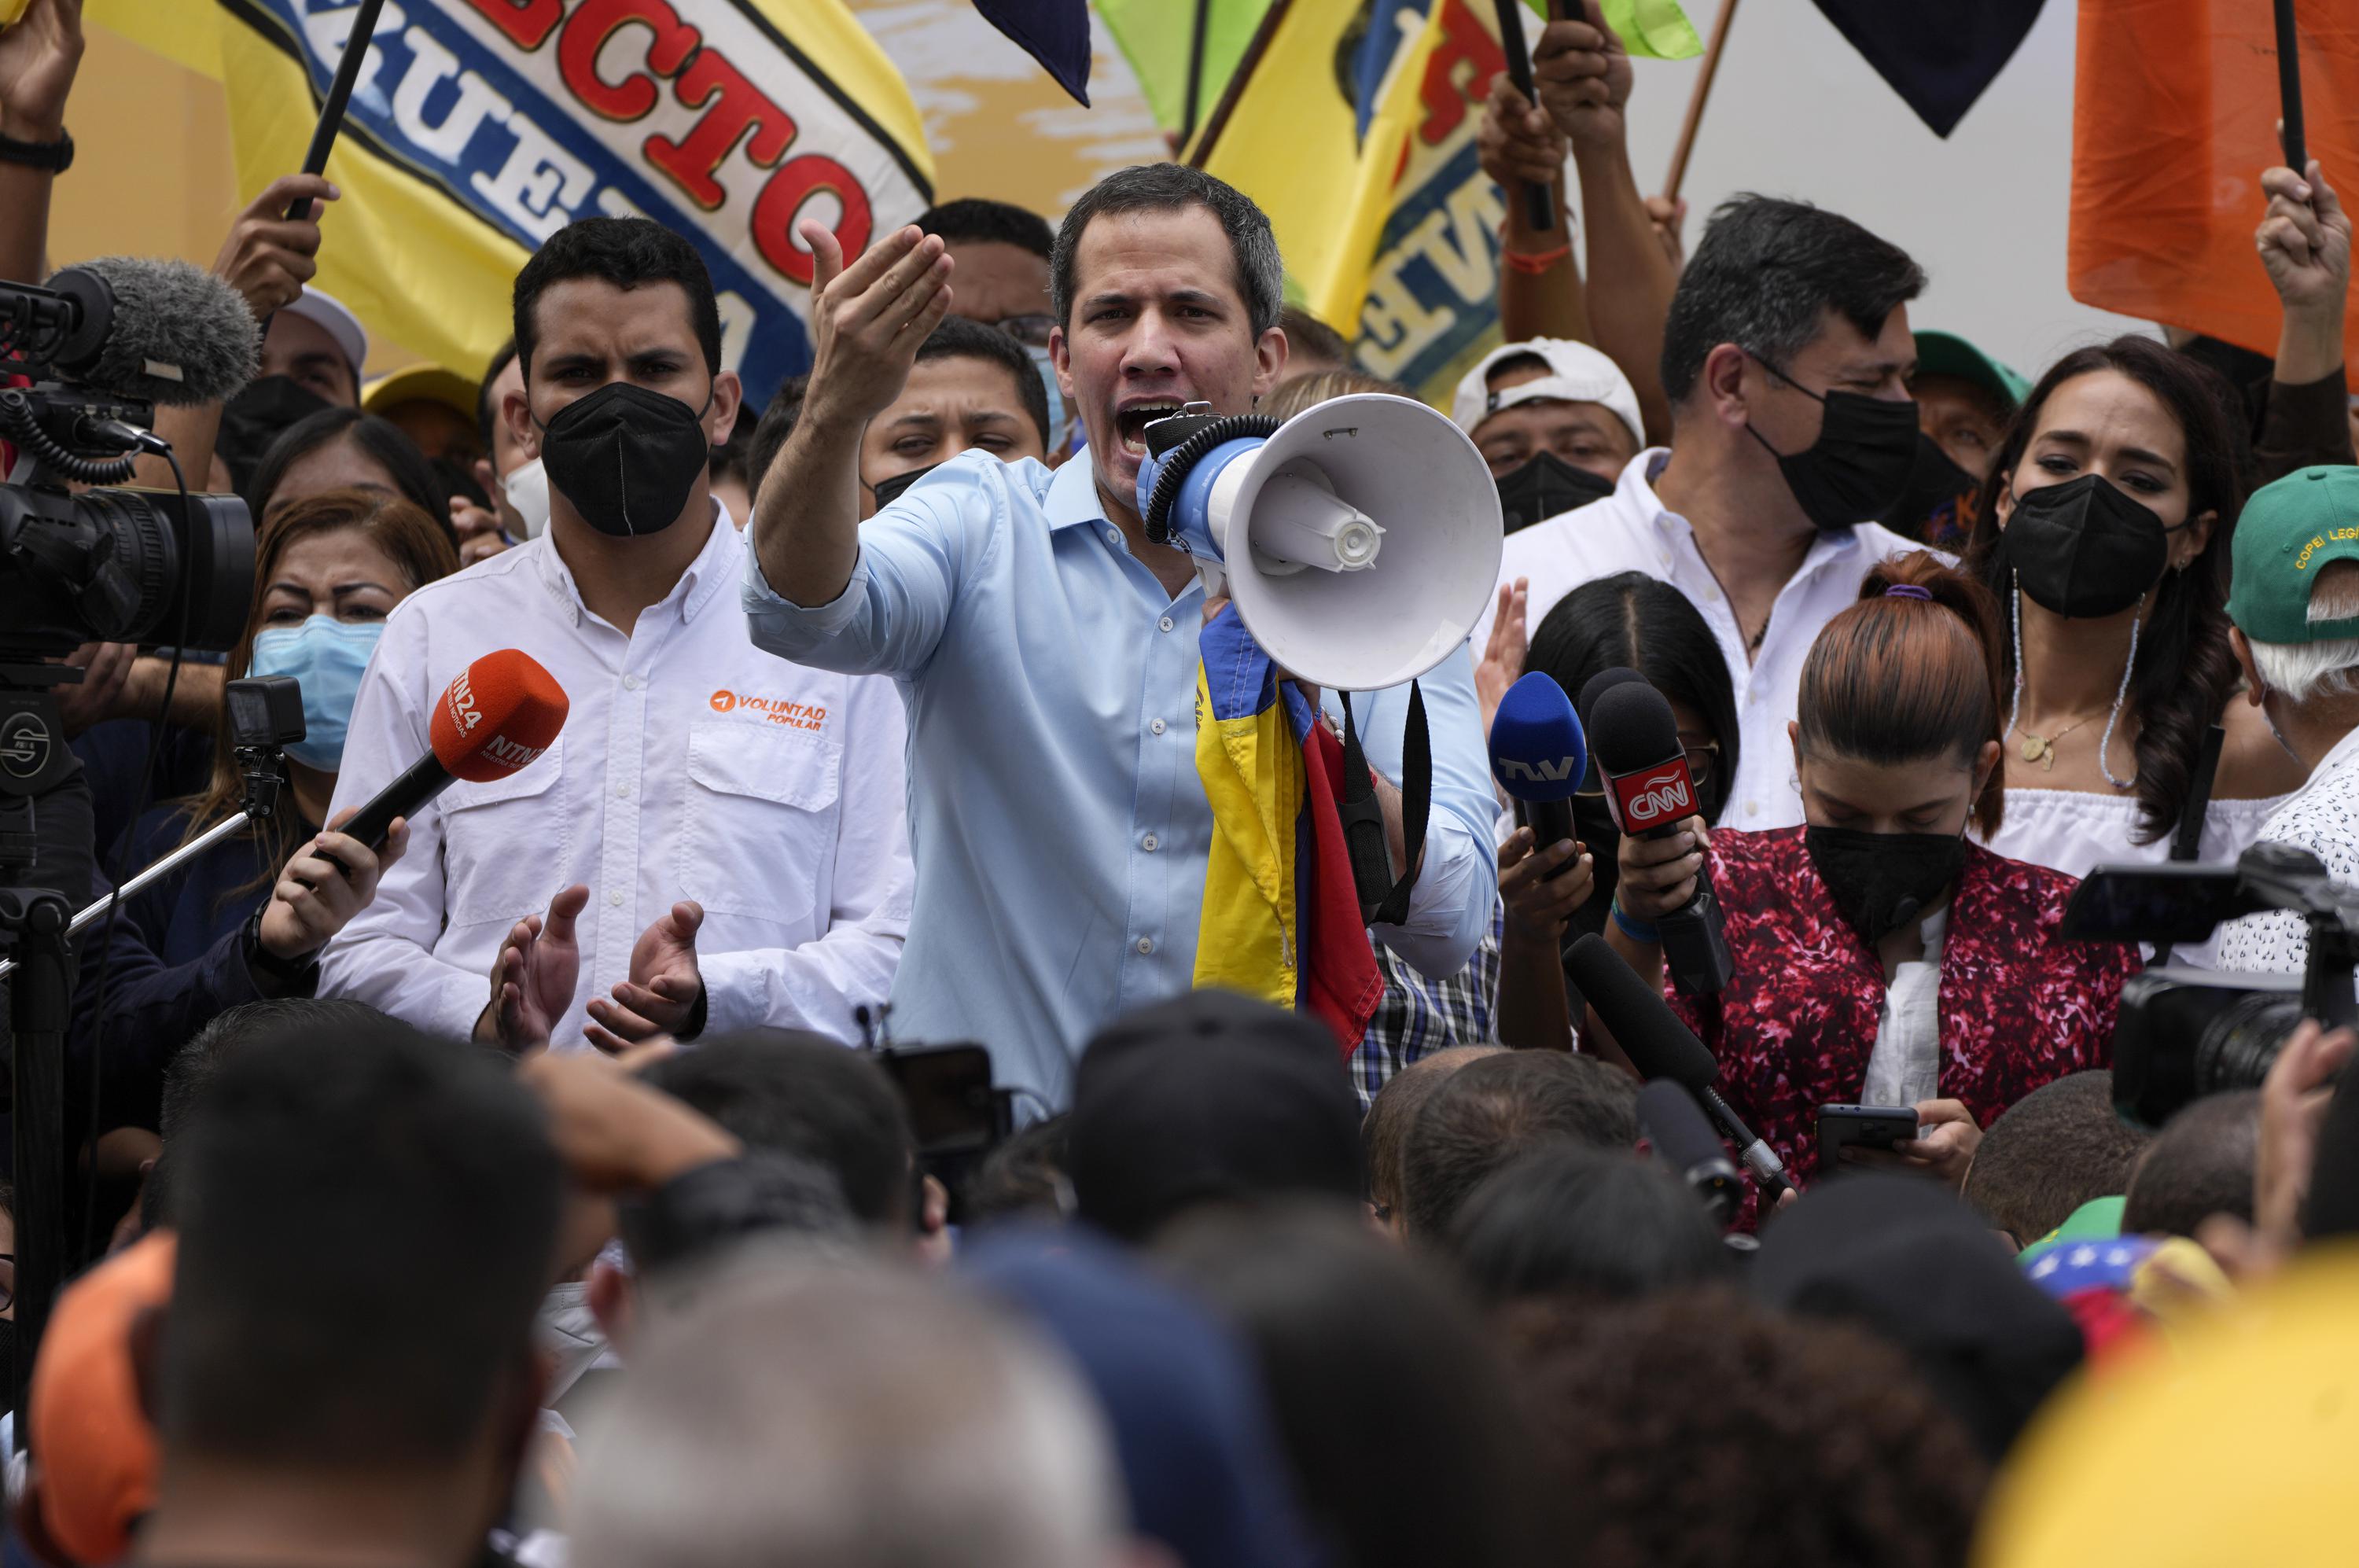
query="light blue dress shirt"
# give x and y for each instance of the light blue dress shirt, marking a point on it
(1060, 828)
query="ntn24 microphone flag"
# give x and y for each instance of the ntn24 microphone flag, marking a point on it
(478, 128)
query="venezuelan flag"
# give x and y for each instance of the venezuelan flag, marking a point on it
(1281, 917)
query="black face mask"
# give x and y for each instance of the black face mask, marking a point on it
(1855, 471)
(887, 491)
(1882, 881)
(626, 457)
(1938, 504)
(2083, 549)
(259, 415)
(1545, 487)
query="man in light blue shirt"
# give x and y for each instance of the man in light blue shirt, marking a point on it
(1046, 651)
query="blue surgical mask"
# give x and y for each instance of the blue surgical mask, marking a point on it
(326, 657)
(1048, 369)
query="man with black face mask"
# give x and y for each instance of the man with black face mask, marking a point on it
(1787, 357)
(722, 831)
(1557, 421)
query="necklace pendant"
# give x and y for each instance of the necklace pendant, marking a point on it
(2037, 750)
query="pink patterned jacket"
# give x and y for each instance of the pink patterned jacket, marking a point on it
(2019, 1006)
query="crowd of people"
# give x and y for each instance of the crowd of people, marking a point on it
(821, 1110)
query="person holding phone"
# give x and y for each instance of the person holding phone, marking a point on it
(1882, 957)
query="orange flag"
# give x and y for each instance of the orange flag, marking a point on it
(2174, 116)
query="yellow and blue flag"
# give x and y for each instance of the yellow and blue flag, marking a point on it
(478, 128)
(1281, 916)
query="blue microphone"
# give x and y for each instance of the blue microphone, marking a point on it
(1539, 755)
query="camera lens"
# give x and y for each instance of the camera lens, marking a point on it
(2240, 1045)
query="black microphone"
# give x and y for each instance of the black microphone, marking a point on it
(1635, 740)
(1675, 1126)
(1659, 1046)
(162, 332)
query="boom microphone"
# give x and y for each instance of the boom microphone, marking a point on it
(1647, 789)
(1659, 1046)
(162, 332)
(501, 713)
(1538, 754)
(1675, 1126)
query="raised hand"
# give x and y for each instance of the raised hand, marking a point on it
(1503, 656)
(533, 975)
(40, 52)
(660, 996)
(1540, 892)
(1517, 141)
(868, 318)
(268, 257)
(323, 884)
(1582, 74)
(2305, 242)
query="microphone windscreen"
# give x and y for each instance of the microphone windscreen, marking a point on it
(1599, 684)
(180, 336)
(1643, 1025)
(1632, 727)
(1683, 1135)
(501, 713)
(1537, 749)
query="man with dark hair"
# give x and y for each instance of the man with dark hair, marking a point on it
(1489, 1112)
(1312, 345)
(1384, 1131)
(722, 824)
(1786, 357)
(2058, 1147)
(2199, 1164)
(348, 1371)
(971, 389)
(1002, 252)
(1048, 648)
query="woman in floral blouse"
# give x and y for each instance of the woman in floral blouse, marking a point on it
(1881, 956)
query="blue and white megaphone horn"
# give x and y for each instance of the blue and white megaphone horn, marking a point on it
(1358, 540)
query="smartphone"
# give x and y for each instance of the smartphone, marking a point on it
(1862, 1127)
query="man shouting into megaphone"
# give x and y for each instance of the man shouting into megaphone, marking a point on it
(1081, 850)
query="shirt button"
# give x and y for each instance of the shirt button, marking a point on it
(1146, 944)
(1165, 624)
(1751, 808)
(614, 898)
(1114, 538)
(1156, 728)
(621, 791)
(631, 682)
(1150, 843)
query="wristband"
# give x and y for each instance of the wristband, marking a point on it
(1533, 265)
(57, 157)
(294, 977)
(1637, 930)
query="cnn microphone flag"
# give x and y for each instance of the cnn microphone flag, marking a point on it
(478, 128)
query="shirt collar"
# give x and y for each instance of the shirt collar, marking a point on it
(1072, 494)
(2343, 753)
(1636, 489)
(715, 565)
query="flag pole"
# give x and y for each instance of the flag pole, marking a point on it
(2289, 89)
(1702, 90)
(340, 93)
(1540, 200)
(1195, 71)
(1247, 63)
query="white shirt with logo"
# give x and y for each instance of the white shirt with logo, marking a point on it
(1632, 530)
(691, 766)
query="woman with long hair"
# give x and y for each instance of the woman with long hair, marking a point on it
(1882, 956)
(246, 918)
(2115, 495)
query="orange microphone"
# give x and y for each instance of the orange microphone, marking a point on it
(501, 713)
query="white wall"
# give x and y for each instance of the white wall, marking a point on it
(1796, 112)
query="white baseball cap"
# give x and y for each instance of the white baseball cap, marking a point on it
(1577, 373)
(330, 313)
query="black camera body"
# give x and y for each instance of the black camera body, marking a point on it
(2184, 1033)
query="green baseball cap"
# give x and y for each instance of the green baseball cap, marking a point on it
(1947, 353)
(2288, 530)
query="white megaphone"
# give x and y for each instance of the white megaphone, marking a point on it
(1358, 540)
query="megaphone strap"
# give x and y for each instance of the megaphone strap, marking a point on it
(1173, 470)
(1383, 901)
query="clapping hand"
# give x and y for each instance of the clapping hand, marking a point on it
(533, 975)
(661, 995)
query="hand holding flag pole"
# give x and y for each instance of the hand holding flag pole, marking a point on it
(1539, 201)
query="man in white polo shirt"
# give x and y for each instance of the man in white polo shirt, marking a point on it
(717, 838)
(1787, 357)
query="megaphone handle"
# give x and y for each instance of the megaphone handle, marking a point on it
(1383, 901)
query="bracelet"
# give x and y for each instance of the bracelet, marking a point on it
(1637, 930)
(296, 976)
(57, 157)
(1533, 265)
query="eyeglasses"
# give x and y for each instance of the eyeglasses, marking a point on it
(1032, 332)
(1703, 755)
